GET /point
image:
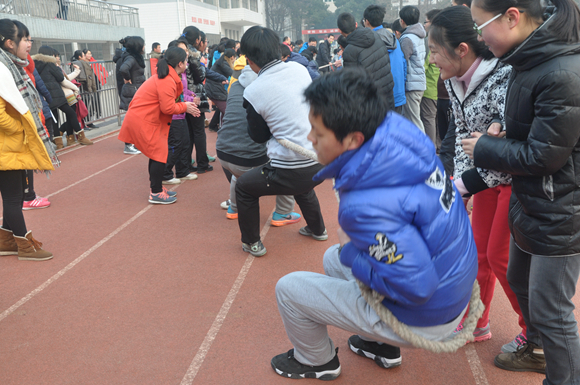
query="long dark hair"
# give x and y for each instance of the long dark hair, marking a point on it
(453, 26)
(134, 46)
(77, 55)
(566, 23)
(172, 57)
(13, 30)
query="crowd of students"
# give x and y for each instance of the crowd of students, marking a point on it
(407, 119)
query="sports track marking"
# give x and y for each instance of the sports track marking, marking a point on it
(470, 352)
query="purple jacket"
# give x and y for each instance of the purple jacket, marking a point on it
(186, 96)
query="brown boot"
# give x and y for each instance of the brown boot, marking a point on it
(82, 139)
(70, 140)
(8, 245)
(58, 142)
(29, 249)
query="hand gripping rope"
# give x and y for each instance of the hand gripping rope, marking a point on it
(375, 299)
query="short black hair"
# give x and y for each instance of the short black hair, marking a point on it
(284, 50)
(230, 43)
(307, 54)
(46, 50)
(346, 23)
(410, 14)
(286, 38)
(348, 101)
(387, 25)
(374, 14)
(397, 27)
(260, 45)
(299, 42)
(312, 49)
(155, 45)
(342, 41)
(463, 2)
(330, 34)
(430, 15)
(311, 39)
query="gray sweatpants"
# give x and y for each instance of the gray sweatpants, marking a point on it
(284, 203)
(308, 302)
(412, 109)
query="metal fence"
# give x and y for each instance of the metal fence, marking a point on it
(86, 11)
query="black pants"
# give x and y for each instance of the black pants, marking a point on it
(71, 125)
(156, 170)
(29, 194)
(178, 142)
(269, 180)
(215, 120)
(442, 117)
(12, 184)
(196, 127)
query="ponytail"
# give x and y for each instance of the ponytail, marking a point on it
(566, 20)
(172, 57)
(13, 30)
(191, 34)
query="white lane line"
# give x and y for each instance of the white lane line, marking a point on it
(95, 140)
(40, 288)
(220, 318)
(475, 365)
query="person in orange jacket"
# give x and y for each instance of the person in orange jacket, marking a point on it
(148, 119)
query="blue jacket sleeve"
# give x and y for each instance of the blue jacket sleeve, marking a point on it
(388, 255)
(41, 87)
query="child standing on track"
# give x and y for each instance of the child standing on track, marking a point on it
(149, 117)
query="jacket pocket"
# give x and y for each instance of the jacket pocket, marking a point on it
(14, 143)
(548, 187)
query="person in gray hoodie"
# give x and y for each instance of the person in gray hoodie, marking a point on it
(238, 153)
(413, 47)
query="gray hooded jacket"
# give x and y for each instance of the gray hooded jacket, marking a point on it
(413, 48)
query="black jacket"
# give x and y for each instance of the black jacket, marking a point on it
(216, 90)
(118, 77)
(323, 57)
(366, 49)
(542, 147)
(51, 75)
(132, 68)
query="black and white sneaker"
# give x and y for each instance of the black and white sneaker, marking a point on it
(385, 355)
(257, 249)
(286, 365)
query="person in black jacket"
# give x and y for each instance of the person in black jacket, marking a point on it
(196, 75)
(216, 90)
(366, 49)
(323, 58)
(541, 150)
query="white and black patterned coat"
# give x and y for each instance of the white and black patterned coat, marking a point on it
(474, 110)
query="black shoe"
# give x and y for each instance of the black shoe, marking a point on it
(286, 365)
(384, 355)
(524, 360)
(204, 170)
(91, 125)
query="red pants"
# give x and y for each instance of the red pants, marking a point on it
(489, 221)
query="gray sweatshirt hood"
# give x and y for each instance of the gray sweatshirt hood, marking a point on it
(247, 76)
(388, 38)
(416, 29)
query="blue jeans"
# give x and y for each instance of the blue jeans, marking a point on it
(544, 287)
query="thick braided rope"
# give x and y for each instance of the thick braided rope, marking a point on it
(374, 300)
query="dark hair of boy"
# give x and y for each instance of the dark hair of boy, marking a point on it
(307, 54)
(330, 35)
(374, 14)
(172, 57)
(387, 25)
(311, 39)
(410, 14)
(342, 42)
(396, 26)
(566, 21)
(230, 44)
(46, 50)
(453, 26)
(284, 50)
(229, 52)
(467, 3)
(260, 45)
(299, 42)
(155, 45)
(430, 15)
(312, 49)
(348, 101)
(346, 23)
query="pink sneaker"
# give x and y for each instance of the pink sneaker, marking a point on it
(36, 203)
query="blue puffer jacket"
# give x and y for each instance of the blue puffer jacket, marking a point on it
(411, 239)
(45, 95)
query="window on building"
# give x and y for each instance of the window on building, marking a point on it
(245, 4)
(224, 4)
(254, 5)
(235, 3)
(212, 2)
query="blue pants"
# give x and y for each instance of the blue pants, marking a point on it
(544, 287)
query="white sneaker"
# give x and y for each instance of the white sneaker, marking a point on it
(225, 204)
(172, 181)
(190, 176)
(131, 150)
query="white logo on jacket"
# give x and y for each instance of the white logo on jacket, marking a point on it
(384, 250)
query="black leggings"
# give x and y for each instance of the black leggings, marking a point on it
(12, 185)
(29, 193)
(156, 170)
(72, 124)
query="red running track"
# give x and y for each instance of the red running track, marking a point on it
(143, 294)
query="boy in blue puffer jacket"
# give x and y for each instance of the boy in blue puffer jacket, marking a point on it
(403, 232)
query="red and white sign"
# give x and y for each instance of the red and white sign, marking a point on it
(199, 20)
(319, 31)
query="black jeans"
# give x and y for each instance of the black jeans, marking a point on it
(29, 193)
(71, 125)
(196, 127)
(442, 117)
(156, 170)
(12, 184)
(268, 180)
(178, 142)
